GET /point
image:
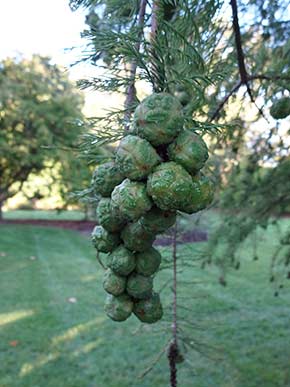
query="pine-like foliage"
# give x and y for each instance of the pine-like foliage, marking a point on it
(176, 58)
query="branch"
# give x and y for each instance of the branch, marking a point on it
(250, 78)
(240, 55)
(240, 52)
(157, 61)
(173, 348)
(154, 20)
(131, 92)
(225, 100)
(268, 77)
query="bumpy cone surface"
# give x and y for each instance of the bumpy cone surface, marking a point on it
(158, 118)
(170, 186)
(105, 178)
(188, 150)
(136, 157)
(103, 240)
(130, 200)
(106, 218)
(148, 262)
(136, 238)
(139, 286)
(114, 283)
(122, 261)
(158, 221)
(118, 308)
(202, 195)
(149, 311)
(281, 108)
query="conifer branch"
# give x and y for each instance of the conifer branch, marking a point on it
(250, 78)
(245, 78)
(131, 92)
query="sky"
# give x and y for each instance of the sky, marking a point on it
(49, 27)
(46, 27)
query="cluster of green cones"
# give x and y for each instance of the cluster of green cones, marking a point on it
(155, 173)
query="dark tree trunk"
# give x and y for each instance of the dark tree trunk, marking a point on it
(1, 212)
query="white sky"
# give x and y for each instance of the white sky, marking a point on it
(46, 27)
(49, 27)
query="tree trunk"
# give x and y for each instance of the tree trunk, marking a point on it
(1, 213)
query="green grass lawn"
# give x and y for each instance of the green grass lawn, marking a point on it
(44, 215)
(48, 341)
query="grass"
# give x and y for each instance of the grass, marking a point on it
(44, 215)
(47, 340)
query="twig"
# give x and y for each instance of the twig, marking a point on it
(268, 77)
(173, 348)
(250, 78)
(154, 20)
(99, 260)
(240, 54)
(244, 77)
(131, 92)
(157, 61)
(238, 40)
(225, 100)
(154, 362)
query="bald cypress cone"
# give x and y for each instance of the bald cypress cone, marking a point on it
(142, 192)
(136, 157)
(158, 118)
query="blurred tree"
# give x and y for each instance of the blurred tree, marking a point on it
(39, 109)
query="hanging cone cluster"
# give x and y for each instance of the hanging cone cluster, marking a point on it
(156, 173)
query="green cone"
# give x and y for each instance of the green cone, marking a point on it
(136, 238)
(158, 118)
(121, 261)
(202, 195)
(139, 286)
(105, 178)
(188, 150)
(106, 218)
(170, 186)
(136, 157)
(158, 221)
(281, 108)
(118, 308)
(130, 200)
(148, 262)
(114, 283)
(103, 240)
(149, 311)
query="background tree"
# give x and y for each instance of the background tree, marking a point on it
(39, 107)
(255, 185)
(228, 64)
